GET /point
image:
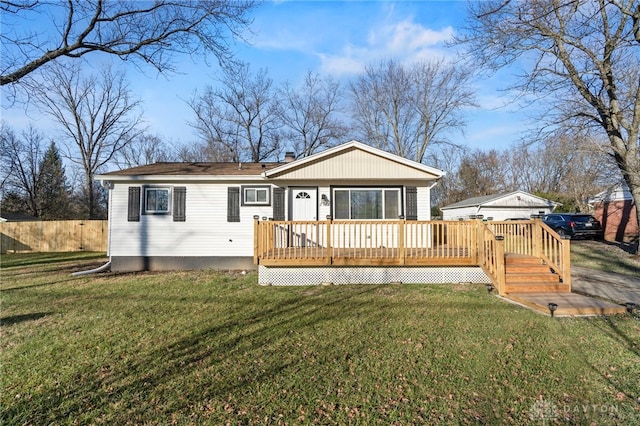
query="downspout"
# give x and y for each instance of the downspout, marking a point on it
(109, 186)
(102, 268)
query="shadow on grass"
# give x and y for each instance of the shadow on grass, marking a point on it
(630, 248)
(625, 384)
(248, 332)
(15, 319)
(32, 259)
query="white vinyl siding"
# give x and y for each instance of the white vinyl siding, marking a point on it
(205, 232)
(355, 164)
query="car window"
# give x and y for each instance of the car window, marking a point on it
(584, 218)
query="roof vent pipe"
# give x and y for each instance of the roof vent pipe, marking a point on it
(289, 156)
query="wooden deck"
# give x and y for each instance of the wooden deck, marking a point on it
(526, 261)
(380, 243)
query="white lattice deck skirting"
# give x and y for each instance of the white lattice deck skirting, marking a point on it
(281, 276)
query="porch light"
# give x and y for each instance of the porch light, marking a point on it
(631, 307)
(552, 308)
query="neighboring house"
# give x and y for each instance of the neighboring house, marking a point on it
(169, 216)
(616, 211)
(513, 205)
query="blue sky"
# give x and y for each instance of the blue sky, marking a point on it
(332, 38)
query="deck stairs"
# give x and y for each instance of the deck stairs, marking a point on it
(532, 283)
(528, 274)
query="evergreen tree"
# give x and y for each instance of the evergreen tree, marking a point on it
(52, 191)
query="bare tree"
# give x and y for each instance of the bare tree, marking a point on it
(149, 32)
(97, 116)
(447, 158)
(481, 173)
(405, 109)
(310, 114)
(143, 149)
(241, 118)
(584, 58)
(21, 157)
(203, 152)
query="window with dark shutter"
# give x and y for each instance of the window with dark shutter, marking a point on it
(278, 204)
(179, 204)
(412, 202)
(134, 204)
(233, 204)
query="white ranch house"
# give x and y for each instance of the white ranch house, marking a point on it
(169, 216)
(352, 214)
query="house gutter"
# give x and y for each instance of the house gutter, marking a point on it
(102, 268)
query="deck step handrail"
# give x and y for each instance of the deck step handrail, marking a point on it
(555, 251)
(491, 256)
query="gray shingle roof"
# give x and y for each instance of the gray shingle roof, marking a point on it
(196, 169)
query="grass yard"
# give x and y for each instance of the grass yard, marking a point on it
(212, 348)
(605, 256)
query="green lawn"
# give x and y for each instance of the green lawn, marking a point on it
(604, 256)
(211, 348)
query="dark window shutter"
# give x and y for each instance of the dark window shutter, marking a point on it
(278, 204)
(233, 204)
(179, 203)
(412, 202)
(134, 204)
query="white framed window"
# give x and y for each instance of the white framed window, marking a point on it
(157, 200)
(256, 195)
(366, 203)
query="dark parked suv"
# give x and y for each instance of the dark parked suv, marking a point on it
(574, 225)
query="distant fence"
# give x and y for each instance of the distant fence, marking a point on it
(54, 236)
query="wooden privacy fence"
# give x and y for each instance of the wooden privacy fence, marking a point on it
(54, 236)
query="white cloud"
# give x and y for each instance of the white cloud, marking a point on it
(345, 38)
(404, 41)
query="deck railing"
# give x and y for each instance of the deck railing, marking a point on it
(365, 242)
(409, 243)
(534, 238)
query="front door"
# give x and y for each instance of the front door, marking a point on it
(304, 205)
